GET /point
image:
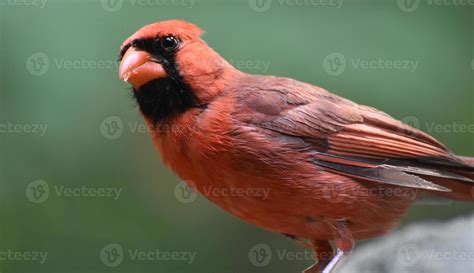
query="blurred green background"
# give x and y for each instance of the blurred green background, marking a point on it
(58, 72)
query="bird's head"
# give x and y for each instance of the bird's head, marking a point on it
(171, 69)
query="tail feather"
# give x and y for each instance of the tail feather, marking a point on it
(470, 171)
(468, 160)
(461, 191)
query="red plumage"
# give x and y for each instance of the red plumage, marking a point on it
(334, 170)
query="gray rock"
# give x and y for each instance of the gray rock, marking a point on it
(418, 248)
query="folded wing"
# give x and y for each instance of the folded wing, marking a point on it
(354, 140)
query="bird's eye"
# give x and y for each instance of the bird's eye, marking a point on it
(169, 43)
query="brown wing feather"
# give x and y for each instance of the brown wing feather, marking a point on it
(348, 138)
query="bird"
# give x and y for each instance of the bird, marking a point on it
(335, 171)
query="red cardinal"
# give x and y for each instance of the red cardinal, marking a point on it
(334, 170)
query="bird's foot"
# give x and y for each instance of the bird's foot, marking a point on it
(344, 244)
(327, 267)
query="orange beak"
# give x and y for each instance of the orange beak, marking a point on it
(138, 67)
